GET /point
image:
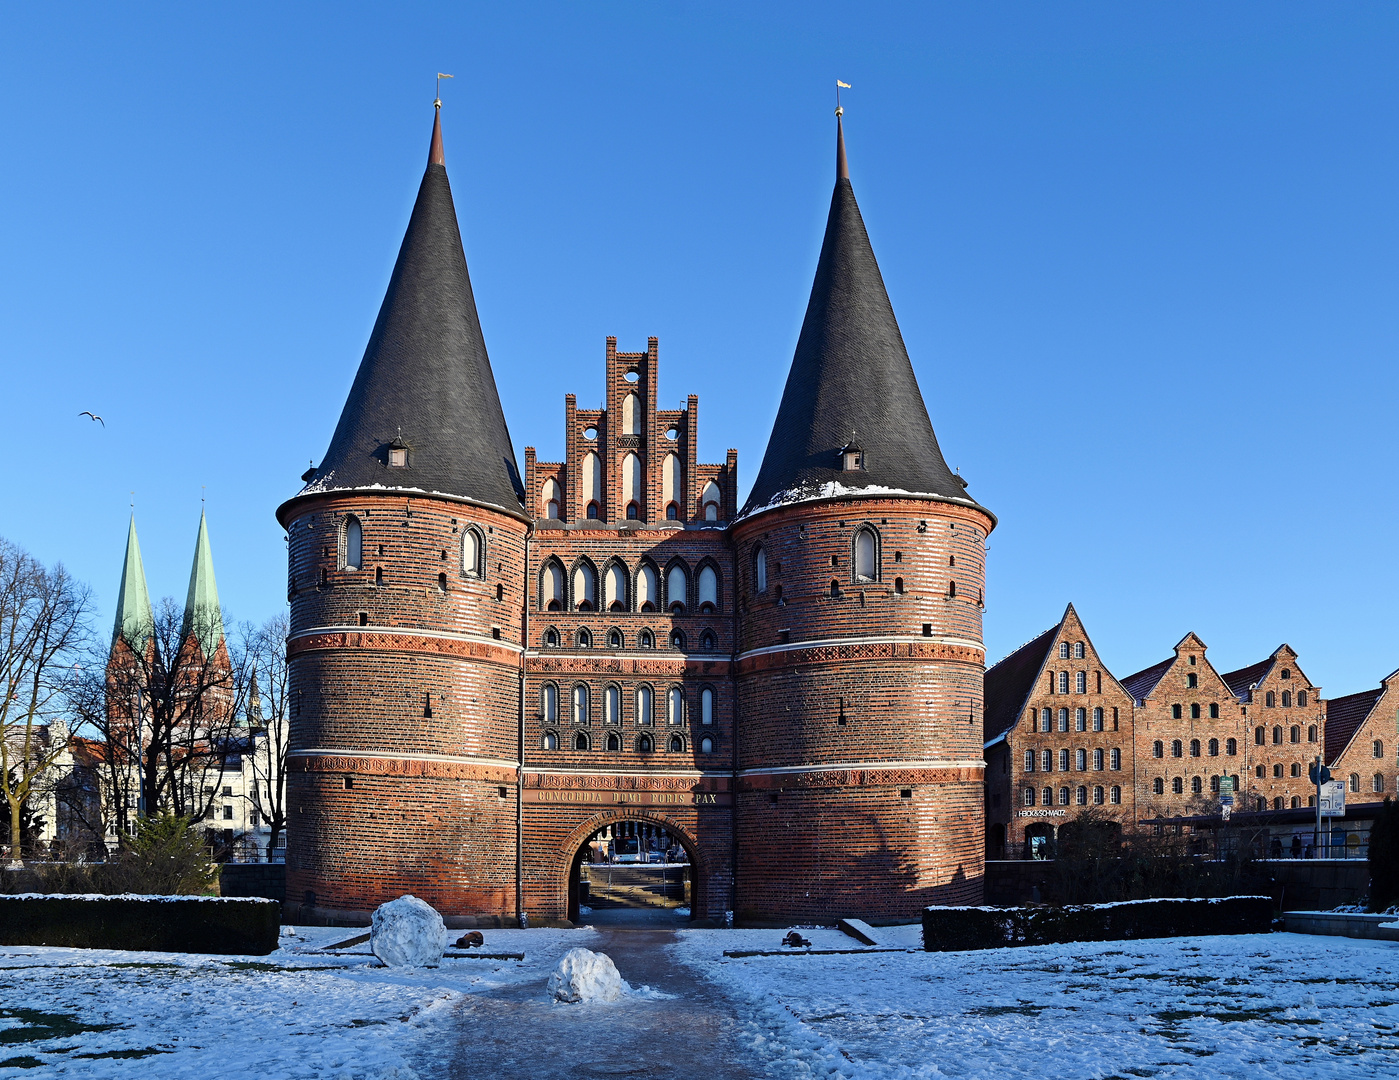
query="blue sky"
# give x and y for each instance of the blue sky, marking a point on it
(1144, 258)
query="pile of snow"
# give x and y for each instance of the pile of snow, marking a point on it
(407, 932)
(586, 976)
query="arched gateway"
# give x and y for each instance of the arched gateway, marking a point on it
(574, 851)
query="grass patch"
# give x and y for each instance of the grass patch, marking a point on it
(1025, 1008)
(25, 1061)
(36, 1026)
(146, 1052)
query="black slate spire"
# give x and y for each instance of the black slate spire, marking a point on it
(851, 395)
(425, 393)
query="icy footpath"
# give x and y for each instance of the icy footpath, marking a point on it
(1273, 1005)
(295, 1013)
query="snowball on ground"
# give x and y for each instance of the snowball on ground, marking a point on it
(408, 932)
(585, 976)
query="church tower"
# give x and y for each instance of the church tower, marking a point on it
(405, 578)
(861, 565)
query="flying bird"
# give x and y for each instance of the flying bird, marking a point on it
(94, 416)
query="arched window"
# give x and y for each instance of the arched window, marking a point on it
(1231, 746)
(671, 486)
(644, 640)
(580, 740)
(1178, 786)
(1063, 719)
(1214, 710)
(644, 715)
(631, 415)
(612, 705)
(1260, 736)
(707, 589)
(1260, 771)
(584, 588)
(1115, 795)
(1097, 719)
(1063, 761)
(1080, 719)
(592, 479)
(677, 639)
(898, 586)
(1080, 682)
(1379, 781)
(1311, 733)
(1277, 736)
(1196, 785)
(594, 511)
(1081, 796)
(1378, 748)
(1063, 682)
(615, 587)
(551, 586)
(1214, 747)
(1270, 699)
(631, 483)
(552, 497)
(672, 511)
(580, 704)
(1098, 759)
(951, 590)
(1177, 750)
(1277, 772)
(706, 706)
(614, 639)
(866, 555)
(1081, 759)
(1098, 796)
(644, 744)
(677, 744)
(1287, 673)
(1295, 734)
(1029, 761)
(707, 641)
(1063, 650)
(706, 745)
(1115, 758)
(551, 740)
(1047, 760)
(1063, 796)
(648, 593)
(675, 706)
(1355, 782)
(1049, 796)
(1078, 650)
(1214, 784)
(549, 703)
(633, 511)
(1194, 747)
(585, 638)
(354, 544)
(675, 588)
(760, 570)
(473, 555)
(1297, 802)
(1301, 699)
(1028, 797)
(551, 638)
(614, 741)
(1046, 719)
(1287, 699)
(710, 499)
(1158, 749)
(1158, 786)
(835, 589)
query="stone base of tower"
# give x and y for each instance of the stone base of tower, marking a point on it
(447, 840)
(872, 850)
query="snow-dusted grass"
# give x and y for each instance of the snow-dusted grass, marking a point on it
(1272, 1005)
(294, 1013)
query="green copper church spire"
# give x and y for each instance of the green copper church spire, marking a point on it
(135, 621)
(202, 615)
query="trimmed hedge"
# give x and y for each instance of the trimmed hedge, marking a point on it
(952, 929)
(144, 923)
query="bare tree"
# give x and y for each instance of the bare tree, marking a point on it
(265, 661)
(43, 626)
(165, 702)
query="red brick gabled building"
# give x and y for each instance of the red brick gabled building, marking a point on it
(1190, 730)
(1362, 741)
(488, 670)
(1286, 716)
(1058, 739)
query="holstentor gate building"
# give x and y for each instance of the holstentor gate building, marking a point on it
(490, 667)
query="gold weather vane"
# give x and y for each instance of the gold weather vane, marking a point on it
(437, 102)
(840, 111)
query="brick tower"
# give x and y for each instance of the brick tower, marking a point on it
(861, 570)
(406, 556)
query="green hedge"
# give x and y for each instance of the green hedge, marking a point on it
(952, 929)
(144, 923)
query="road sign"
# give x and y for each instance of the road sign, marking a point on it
(1226, 800)
(1225, 810)
(1325, 776)
(1226, 785)
(1333, 798)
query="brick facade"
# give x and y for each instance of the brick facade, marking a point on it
(1362, 744)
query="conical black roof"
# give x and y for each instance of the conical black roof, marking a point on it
(425, 383)
(851, 384)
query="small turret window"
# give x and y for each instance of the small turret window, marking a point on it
(760, 570)
(866, 555)
(398, 457)
(473, 555)
(354, 544)
(851, 458)
(706, 706)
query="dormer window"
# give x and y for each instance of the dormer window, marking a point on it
(852, 458)
(398, 455)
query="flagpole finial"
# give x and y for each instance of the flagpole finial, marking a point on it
(435, 155)
(437, 99)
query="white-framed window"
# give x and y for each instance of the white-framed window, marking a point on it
(1029, 761)
(1098, 796)
(644, 701)
(1029, 796)
(580, 704)
(1047, 760)
(866, 555)
(1080, 719)
(1081, 760)
(1078, 650)
(1063, 796)
(1063, 682)
(1063, 650)
(612, 705)
(1080, 682)
(1063, 761)
(1063, 719)
(675, 706)
(354, 544)
(1046, 719)
(1115, 758)
(1097, 719)
(1115, 795)
(473, 555)
(1098, 759)
(549, 703)
(551, 740)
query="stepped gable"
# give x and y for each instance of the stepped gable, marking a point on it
(1242, 681)
(851, 384)
(135, 621)
(1344, 715)
(1143, 682)
(425, 383)
(1009, 682)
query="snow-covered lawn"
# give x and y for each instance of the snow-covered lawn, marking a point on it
(1275, 1005)
(93, 1013)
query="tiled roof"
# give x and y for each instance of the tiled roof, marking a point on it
(1008, 683)
(1344, 715)
(1239, 681)
(851, 382)
(1144, 682)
